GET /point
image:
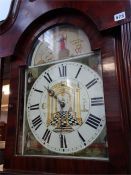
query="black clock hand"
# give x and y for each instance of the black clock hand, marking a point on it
(63, 143)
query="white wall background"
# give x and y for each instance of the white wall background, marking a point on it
(4, 8)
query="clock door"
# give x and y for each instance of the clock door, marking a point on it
(64, 98)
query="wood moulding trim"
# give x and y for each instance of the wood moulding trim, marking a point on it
(12, 15)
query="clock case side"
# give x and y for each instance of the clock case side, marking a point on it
(105, 41)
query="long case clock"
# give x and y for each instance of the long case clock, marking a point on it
(66, 113)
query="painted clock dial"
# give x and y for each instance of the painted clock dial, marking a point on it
(65, 107)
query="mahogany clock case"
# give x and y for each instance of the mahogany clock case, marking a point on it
(109, 44)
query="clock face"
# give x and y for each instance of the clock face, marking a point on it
(65, 107)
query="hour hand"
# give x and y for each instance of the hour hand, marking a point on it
(50, 92)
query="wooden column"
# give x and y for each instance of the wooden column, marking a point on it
(126, 48)
(126, 51)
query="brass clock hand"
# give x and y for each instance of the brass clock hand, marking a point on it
(52, 94)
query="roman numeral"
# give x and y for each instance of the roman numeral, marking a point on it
(63, 141)
(63, 71)
(37, 90)
(81, 137)
(37, 122)
(47, 77)
(34, 107)
(93, 121)
(47, 135)
(91, 83)
(97, 101)
(78, 71)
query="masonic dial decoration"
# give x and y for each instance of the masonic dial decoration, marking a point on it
(59, 43)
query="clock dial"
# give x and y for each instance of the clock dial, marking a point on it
(65, 107)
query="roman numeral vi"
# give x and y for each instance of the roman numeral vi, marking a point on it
(63, 143)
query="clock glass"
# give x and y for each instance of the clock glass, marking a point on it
(64, 111)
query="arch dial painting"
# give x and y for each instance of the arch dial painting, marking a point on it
(59, 43)
(64, 111)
